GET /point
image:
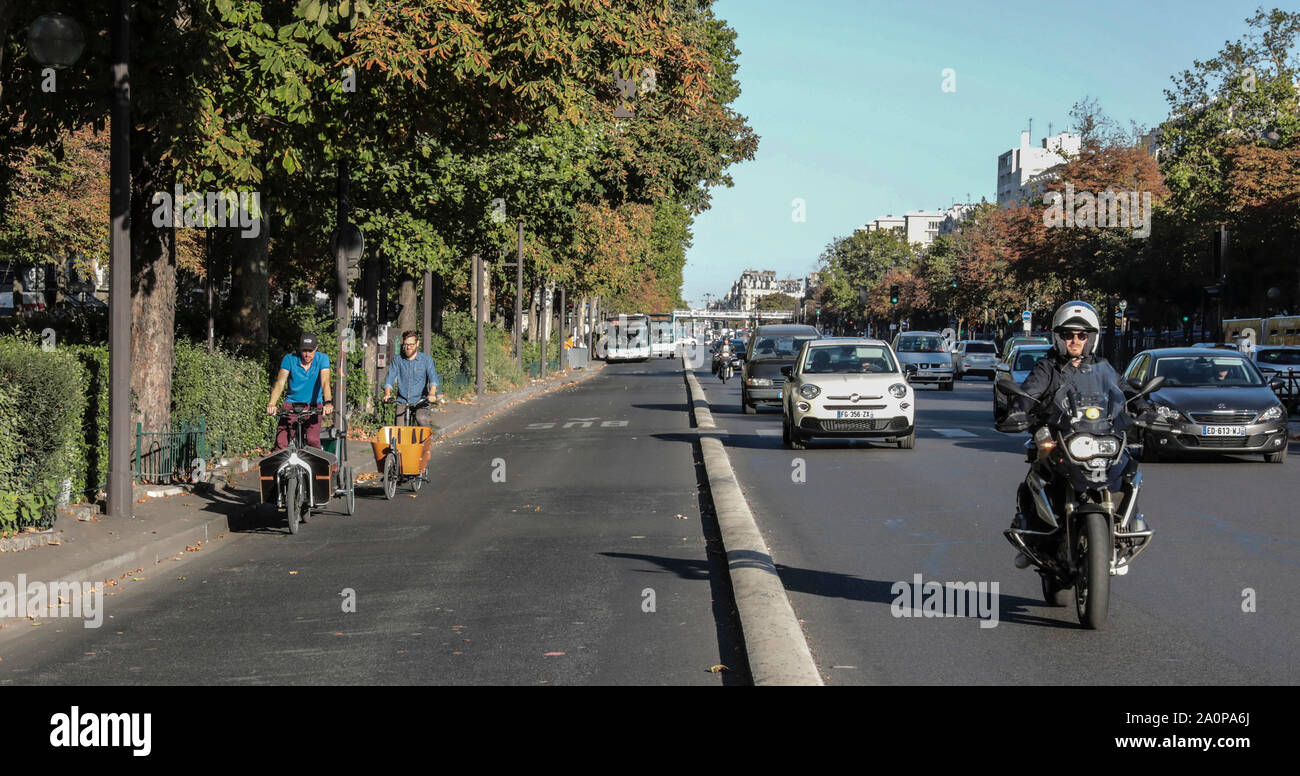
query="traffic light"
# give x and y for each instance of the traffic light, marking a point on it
(1186, 318)
(893, 294)
(954, 282)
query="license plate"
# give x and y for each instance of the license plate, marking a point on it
(780, 394)
(855, 414)
(924, 374)
(1223, 431)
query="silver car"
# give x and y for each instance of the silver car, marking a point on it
(1019, 364)
(975, 357)
(924, 357)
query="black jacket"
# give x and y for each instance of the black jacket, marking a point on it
(1052, 370)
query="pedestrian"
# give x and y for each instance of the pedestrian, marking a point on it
(415, 376)
(306, 375)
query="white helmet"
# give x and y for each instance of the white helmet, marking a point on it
(1076, 315)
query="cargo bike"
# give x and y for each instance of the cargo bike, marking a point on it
(402, 452)
(301, 478)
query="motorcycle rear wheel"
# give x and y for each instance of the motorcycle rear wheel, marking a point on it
(1093, 547)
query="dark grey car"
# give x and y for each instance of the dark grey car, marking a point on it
(771, 348)
(1212, 401)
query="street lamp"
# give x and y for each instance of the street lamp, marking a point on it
(347, 243)
(56, 40)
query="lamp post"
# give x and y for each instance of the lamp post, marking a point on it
(56, 40)
(347, 243)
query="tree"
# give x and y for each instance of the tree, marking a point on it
(777, 302)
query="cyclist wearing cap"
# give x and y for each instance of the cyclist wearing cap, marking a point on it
(307, 378)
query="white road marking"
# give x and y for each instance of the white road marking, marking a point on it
(952, 432)
(768, 432)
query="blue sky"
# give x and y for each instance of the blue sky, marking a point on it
(846, 98)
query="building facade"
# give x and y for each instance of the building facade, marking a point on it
(1024, 172)
(753, 285)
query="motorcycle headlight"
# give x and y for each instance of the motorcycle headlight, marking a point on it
(898, 390)
(758, 381)
(1272, 413)
(809, 391)
(1084, 446)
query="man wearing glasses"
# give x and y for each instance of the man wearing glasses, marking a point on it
(307, 377)
(415, 377)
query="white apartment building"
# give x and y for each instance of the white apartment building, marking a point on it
(1021, 170)
(753, 285)
(919, 226)
(953, 216)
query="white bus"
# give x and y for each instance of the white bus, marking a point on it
(663, 339)
(627, 338)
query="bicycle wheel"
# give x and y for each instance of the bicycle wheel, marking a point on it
(291, 502)
(350, 490)
(392, 469)
(417, 482)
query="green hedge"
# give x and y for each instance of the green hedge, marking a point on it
(46, 399)
(229, 392)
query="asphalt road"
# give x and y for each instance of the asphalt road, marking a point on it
(869, 516)
(543, 578)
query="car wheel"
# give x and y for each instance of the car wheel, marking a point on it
(749, 408)
(785, 431)
(797, 440)
(1278, 457)
(908, 442)
(957, 375)
(946, 386)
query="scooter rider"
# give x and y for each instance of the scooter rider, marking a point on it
(1073, 360)
(724, 359)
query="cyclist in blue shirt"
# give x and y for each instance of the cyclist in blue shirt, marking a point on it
(415, 376)
(307, 377)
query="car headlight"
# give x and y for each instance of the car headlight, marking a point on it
(1084, 446)
(758, 381)
(1167, 413)
(809, 391)
(1272, 413)
(898, 390)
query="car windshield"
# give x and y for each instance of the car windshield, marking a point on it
(1289, 357)
(1206, 371)
(981, 347)
(920, 345)
(848, 359)
(1026, 359)
(779, 347)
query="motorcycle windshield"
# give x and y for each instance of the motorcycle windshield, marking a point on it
(1089, 401)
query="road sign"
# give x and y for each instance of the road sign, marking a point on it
(1027, 317)
(1123, 304)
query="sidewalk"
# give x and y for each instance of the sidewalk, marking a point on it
(101, 550)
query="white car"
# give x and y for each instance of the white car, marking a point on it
(847, 387)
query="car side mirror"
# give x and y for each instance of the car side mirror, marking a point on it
(1135, 382)
(1276, 384)
(788, 371)
(1152, 385)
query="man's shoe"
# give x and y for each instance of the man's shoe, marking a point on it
(1022, 561)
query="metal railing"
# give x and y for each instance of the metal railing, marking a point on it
(164, 456)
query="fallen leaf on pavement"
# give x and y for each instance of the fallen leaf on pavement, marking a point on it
(138, 579)
(719, 668)
(553, 654)
(291, 573)
(54, 542)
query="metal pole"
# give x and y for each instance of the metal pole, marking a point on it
(564, 323)
(479, 307)
(544, 324)
(519, 298)
(208, 255)
(341, 303)
(118, 503)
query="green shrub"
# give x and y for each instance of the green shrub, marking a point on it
(94, 423)
(229, 392)
(46, 401)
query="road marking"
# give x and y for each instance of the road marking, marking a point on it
(952, 432)
(579, 422)
(768, 431)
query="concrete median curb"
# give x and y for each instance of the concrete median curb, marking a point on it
(777, 650)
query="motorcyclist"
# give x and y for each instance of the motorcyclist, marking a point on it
(1073, 359)
(724, 359)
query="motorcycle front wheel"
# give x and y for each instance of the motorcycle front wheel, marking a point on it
(1092, 552)
(1053, 592)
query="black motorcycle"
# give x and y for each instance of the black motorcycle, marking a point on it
(1077, 520)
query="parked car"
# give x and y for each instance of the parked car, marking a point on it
(974, 357)
(924, 358)
(1212, 401)
(847, 387)
(1019, 364)
(771, 348)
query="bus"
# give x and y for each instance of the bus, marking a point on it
(663, 337)
(1279, 330)
(627, 338)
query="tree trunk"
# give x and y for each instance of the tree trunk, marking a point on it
(533, 300)
(250, 291)
(153, 301)
(409, 319)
